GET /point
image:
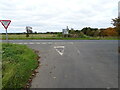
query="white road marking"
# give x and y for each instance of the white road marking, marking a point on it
(37, 43)
(31, 43)
(25, 43)
(78, 51)
(70, 42)
(49, 42)
(59, 46)
(43, 43)
(62, 42)
(60, 52)
(20, 43)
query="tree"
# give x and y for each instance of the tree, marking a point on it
(28, 30)
(81, 34)
(102, 33)
(27, 34)
(72, 31)
(96, 33)
(35, 32)
(59, 34)
(109, 32)
(91, 33)
(77, 31)
(88, 31)
(84, 30)
(116, 23)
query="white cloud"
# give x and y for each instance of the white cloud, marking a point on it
(53, 15)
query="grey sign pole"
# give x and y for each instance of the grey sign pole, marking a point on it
(6, 36)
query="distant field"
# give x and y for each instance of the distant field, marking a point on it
(51, 36)
(31, 36)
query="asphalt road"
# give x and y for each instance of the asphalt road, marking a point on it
(75, 63)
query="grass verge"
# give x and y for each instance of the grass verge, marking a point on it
(0, 66)
(19, 62)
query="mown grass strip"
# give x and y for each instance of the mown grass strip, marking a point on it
(19, 62)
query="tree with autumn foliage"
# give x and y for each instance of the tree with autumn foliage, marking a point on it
(116, 23)
(109, 32)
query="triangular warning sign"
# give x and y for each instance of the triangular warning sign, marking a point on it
(5, 23)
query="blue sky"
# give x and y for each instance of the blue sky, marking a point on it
(54, 15)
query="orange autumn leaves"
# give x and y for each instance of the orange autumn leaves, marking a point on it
(109, 32)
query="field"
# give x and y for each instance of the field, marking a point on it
(18, 64)
(51, 36)
(31, 36)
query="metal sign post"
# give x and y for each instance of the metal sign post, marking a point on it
(6, 36)
(6, 23)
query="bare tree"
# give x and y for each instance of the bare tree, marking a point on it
(28, 30)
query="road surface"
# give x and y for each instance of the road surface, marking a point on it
(75, 63)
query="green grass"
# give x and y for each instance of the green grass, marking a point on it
(52, 36)
(31, 36)
(0, 66)
(18, 64)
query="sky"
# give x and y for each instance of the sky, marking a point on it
(55, 15)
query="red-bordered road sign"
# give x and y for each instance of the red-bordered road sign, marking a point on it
(5, 23)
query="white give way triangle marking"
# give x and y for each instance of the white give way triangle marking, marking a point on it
(59, 49)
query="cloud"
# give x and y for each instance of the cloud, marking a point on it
(54, 15)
